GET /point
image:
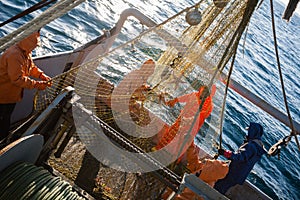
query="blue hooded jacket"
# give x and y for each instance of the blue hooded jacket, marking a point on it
(243, 161)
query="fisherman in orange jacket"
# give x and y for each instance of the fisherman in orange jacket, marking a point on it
(16, 68)
(193, 101)
(208, 170)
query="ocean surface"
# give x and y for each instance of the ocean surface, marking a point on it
(256, 69)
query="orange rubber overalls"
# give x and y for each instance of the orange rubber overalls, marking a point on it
(193, 101)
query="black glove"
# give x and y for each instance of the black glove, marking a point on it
(221, 151)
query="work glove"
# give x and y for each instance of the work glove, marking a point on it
(225, 153)
(41, 85)
(221, 151)
(146, 87)
(172, 102)
(44, 77)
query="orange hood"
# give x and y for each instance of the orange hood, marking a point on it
(30, 42)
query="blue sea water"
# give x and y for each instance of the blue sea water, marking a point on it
(255, 68)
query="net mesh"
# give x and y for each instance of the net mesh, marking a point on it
(128, 93)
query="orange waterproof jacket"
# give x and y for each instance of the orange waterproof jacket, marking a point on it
(16, 68)
(193, 102)
(211, 171)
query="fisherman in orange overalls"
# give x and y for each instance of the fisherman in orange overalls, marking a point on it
(193, 101)
(16, 68)
(208, 170)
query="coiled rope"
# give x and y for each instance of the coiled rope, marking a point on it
(54, 12)
(27, 181)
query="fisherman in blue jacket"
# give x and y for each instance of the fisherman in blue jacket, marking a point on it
(242, 161)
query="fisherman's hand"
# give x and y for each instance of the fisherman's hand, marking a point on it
(146, 87)
(221, 151)
(44, 77)
(41, 85)
(225, 153)
(172, 103)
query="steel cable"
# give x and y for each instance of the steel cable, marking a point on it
(27, 181)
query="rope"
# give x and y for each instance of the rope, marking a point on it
(231, 48)
(198, 45)
(224, 102)
(54, 12)
(95, 61)
(27, 181)
(33, 8)
(281, 78)
(235, 39)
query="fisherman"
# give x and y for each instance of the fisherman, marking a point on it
(139, 89)
(208, 170)
(242, 161)
(16, 68)
(138, 113)
(211, 171)
(193, 101)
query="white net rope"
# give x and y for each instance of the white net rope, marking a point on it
(128, 86)
(54, 12)
(186, 57)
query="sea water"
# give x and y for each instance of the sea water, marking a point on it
(255, 68)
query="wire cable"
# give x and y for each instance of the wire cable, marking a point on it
(26, 181)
